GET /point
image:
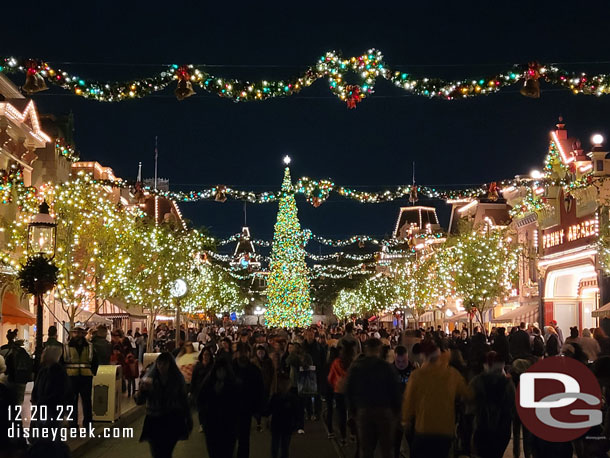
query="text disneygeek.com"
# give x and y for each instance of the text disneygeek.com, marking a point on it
(67, 433)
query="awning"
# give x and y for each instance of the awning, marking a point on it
(426, 317)
(518, 314)
(86, 317)
(458, 317)
(115, 308)
(602, 312)
(387, 318)
(12, 313)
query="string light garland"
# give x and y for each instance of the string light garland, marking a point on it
(315, 257)
(308, 236)
(341, 255)
(318, 191)
(62, 148)
(315, 191)
(317, 195)
(367, 68)
(338, 276)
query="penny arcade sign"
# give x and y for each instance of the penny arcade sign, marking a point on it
(558, 237)
(572, 230)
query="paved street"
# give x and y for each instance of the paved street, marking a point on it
(312, 444)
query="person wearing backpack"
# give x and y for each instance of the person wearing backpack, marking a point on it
(19, 365)
(81, 364)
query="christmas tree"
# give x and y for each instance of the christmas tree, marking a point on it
(289, 304)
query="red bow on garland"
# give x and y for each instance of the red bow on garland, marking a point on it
(353, 96)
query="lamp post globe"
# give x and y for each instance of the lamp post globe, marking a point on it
(178, 289)
(42, 235)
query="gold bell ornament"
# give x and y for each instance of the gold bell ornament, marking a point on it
(34, 82)
(531, 87)
(185, 87)
(221, 195)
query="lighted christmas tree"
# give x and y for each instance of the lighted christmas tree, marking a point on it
(289, 304)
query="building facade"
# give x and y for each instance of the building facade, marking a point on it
(560, 276)
(21, 140)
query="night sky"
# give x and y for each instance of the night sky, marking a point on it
(206, 140)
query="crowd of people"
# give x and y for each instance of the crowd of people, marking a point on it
(419, 392)
(64, 376)
(423, 393)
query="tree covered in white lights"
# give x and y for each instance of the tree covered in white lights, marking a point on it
(484, 268)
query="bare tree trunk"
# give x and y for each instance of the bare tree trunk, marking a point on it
(481, 320)
(151, 331)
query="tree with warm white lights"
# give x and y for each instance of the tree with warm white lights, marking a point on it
(93, 235)
(417, 285)
(289, 303)
(484, 268)
(107, 251)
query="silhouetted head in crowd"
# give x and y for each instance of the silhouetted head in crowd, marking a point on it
(372, 347)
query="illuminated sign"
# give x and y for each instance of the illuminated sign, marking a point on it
(573, 232)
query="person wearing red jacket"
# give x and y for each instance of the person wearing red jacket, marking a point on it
(337, 377)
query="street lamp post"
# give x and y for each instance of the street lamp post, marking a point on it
(259, 312)
(42, 235)
(178, 290)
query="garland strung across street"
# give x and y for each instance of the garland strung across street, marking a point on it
(361, 240)
(318, 191)
(315, 257)
(332, 66)
(318, 272)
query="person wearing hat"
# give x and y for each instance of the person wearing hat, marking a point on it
(428, 409)
(558, 331)
(81, 365)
